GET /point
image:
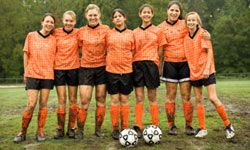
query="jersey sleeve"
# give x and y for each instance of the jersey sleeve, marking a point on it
(27, 43)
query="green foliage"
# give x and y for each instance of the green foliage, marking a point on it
(227, 21)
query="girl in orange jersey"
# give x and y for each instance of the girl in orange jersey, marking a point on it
(39, 53)
(66, 73)
(149, 39)
(120, 43)
(92, 71)
(175, 68)
(199, 53)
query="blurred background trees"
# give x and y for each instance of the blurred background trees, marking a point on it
(228, 22)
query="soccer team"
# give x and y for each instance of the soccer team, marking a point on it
(118, 60)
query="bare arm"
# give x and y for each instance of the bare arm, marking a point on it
(160, 53)
(208, 64)
(25, 63)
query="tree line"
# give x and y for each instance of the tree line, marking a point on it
(227, 21)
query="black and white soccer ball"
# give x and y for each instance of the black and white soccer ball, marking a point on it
(128, 138)
(152, 134)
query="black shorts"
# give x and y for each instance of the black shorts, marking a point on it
(69, 77)
(92, 76)
(119, 83)
(38, 84)
(146, 73)
(204, 82)
(175, 72)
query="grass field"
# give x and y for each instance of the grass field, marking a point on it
(235, 94)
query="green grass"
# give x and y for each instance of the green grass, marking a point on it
(234, 94)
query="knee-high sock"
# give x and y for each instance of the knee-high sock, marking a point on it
(27, 116)
(81, 118)
(201, 116)
(72, 116)
(42, 115)
(124, 116)
(170, 112)
(221, 111)
(114, 114)
(188, 113)
(99, 115)
(138, 114)
(154, 111)
(61, 118)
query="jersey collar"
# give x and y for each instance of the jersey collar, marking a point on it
(93, 26)
(44, 36)
(194, 33)
(120, 30)
(171, 23)
(145, 27)
(68, 32)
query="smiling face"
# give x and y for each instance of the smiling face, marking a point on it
(48, 24)
(68, 22)
(192, 21)
(146, 14)
(118, 19)
(173, 13)
(93, 17)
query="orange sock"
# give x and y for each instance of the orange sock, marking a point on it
(61, 118)
(124, 116)
(201, 116)
(99, 115)
(42, 115)
(81, 118)
(170, 112)
(138, 114)
(188, 113)
(221, 111)
(27, 116)
(72, 116)
(154, 110)
(114, 115)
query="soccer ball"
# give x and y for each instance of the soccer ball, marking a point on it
(128, 138)
(152, 134)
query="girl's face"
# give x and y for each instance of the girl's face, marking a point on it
(93, 17)
(192, 22)
(173, 13)
(68, 22)
(48, 24)
(146, 14)
(118, 19)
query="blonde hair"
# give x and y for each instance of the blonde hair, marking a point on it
(71, 13)
(197, 17)
(92, 6)
(146, 5)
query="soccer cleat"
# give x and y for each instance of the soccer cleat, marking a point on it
(172, 130)
(71, 133)
(59, 134)
(189, 130)
(230, 131)
(138, 130)
(19, 137)
(79, 134)
(99, 133)
(40, 137)
(200, 133)
(115, 134)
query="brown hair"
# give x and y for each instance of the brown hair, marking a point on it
(146, 5)
(48, 14)
(179, 5)
(119, 11)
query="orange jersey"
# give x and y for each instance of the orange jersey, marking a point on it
(174, 33)
(67, 54)
(41, 55)
(93, 42)
(119, 51)
(196, 53)
(147, 42)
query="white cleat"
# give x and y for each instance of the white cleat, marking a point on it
(200, 133)
(230, 131)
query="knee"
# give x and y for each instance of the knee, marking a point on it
(30, 108)
(171, 97)
(199, 98)
(139, 98)
(100, 98)
(72, 99)
(185, 96)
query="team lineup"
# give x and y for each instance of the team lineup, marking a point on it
(119, 60)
